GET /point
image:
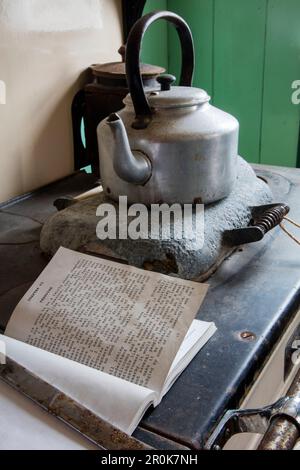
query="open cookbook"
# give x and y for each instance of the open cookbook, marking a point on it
(112, 337)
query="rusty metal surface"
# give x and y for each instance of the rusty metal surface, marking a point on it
(279, 423)
(283, 433)
(243, 421)
(72, 413)
(117, 70)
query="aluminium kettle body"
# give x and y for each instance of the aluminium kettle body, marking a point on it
(168, 145)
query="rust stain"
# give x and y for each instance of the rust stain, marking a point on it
(164, 266)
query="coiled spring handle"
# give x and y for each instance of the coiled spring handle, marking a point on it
(264, 219)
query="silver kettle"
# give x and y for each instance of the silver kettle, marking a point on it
(168, 145)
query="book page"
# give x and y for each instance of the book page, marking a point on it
(124, 321)
(118, 402)
(199, 333)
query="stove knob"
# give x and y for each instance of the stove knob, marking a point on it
(166, 81)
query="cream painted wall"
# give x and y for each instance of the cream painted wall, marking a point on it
(45, 45)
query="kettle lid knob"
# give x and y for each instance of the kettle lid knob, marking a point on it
(166, 81)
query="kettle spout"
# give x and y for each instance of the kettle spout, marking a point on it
(131, 166)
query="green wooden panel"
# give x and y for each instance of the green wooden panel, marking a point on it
(155, 45)
(199, 16)
(280, 127)
(298, 154)
(247, 56)
(239, 38)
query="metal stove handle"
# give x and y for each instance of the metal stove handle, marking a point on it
(264, 219)
(133, 49)
(279, 423)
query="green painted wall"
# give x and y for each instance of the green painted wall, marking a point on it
(280, 121)
(247, 56)
(155, 46)
(239, 36)
(199, 16)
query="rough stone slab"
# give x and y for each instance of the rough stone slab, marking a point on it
(75, 228)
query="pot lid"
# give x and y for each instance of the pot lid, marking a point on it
(176, 97)
(117, 70)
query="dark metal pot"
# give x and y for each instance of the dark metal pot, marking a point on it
(99, 98)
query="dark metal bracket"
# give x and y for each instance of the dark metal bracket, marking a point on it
(264, 218)
(254, 421)
(132, 11)
(278, 423)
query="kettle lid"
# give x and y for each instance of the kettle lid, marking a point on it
(176, 97)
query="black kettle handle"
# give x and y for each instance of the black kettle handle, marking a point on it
(133, 49)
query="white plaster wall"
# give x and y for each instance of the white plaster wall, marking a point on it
(45, 45)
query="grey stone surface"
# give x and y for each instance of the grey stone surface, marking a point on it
(75, 228)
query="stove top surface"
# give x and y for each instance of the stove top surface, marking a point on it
(255, 290)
